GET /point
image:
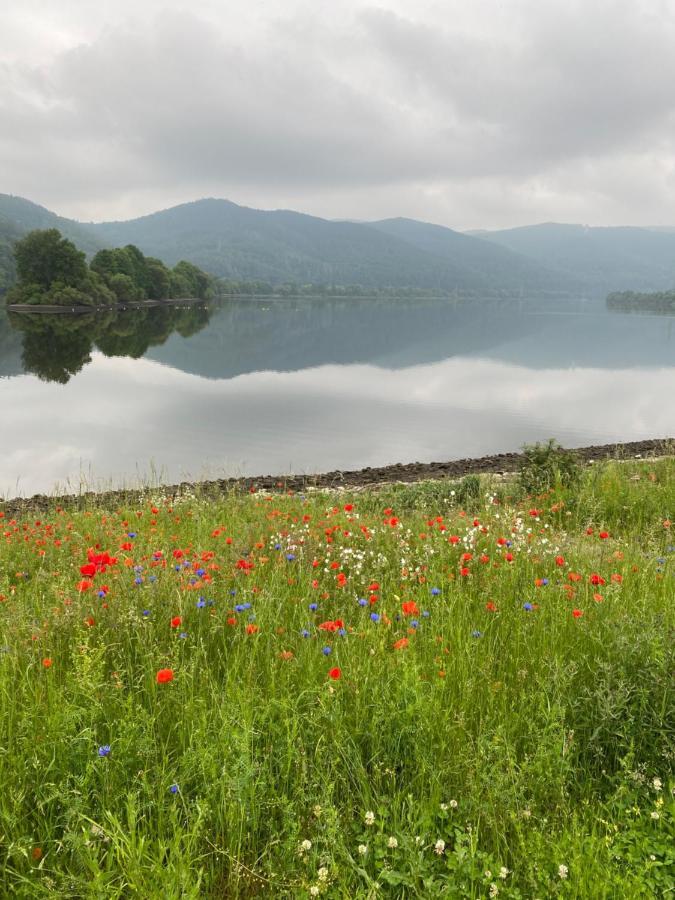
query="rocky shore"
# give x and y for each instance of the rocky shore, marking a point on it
(499, 463)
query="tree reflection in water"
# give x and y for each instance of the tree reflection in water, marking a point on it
(56, 347)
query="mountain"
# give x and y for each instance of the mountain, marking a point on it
(496, 263)
(606, 259)
(279, 246)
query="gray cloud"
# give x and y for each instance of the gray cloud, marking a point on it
(469, 116)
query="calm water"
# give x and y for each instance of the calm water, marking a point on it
(274, 386)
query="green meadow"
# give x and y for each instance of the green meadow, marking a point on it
(447, 689)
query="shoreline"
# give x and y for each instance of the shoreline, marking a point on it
(69, 310)
(498, 464)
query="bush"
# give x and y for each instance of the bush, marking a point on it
(545, 466)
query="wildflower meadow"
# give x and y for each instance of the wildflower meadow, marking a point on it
(447, 689)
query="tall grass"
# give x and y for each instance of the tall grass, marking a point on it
(510, 734)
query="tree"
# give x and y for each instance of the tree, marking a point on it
(43, 257)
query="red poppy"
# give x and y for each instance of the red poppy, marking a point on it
(577, 613)
(164, 676)
(251, 629)
(410, 608)
(560, 560)
(47, 663)
(401, 644)
(176, 622)
(335, 674)
(596, 579)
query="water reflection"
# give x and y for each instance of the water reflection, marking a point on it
(57, 347)
(308, 385)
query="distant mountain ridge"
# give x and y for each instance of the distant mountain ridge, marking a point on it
(282, 246)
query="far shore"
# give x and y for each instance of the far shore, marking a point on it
(370, 477)
(132, 304)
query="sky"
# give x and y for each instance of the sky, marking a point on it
(481, 114)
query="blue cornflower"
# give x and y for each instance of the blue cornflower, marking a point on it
(104, 750)
(183, 634)
(232, 592)
(375, 617)
(152, 578)
(290, 557)
(177, 568)
(239, 607)
(101, 594)
(138, 568)
(277, 546)
(476, 634)
(363, 602)
(527, 606)
(201, 603)
(174, 788)
(414, 623)
(544, 581)
(146, 612)
(435, 592)
(304, 633)
(342, 632)
(313, 606)
(138, 581)
(326, 651)
(131, 534)
(425, 613)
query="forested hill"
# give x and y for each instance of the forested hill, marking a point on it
(606, 259)
(282, 246)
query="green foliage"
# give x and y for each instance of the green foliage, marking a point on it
(545, 466)
(44, 258)
(632, 301)
(52, 271)
(503, 752)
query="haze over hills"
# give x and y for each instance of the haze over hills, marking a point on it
(608, 259)
(282, 246)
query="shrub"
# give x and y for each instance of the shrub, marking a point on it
(545, 466)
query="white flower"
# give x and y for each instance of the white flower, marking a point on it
(453, 804)
(655, 815)
(317, 810)
(322, 874)
(305, 846)
(562, 871)
(439, 847)
(314, 891)
(392, 843)
(487, 873)
(369, 818)
(657, 784)
(494, 890)
(504, 872)
(444, 806)
(363, 849)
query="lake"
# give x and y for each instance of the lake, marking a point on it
(274, 386)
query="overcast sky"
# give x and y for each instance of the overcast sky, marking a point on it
(469, 113)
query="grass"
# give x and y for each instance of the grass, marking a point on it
(489, 726)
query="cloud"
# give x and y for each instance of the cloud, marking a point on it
(472, 115)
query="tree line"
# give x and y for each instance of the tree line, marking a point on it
(51, 271)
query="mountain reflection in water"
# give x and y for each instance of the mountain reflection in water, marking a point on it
(272, 386)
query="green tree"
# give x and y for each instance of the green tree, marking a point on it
(43, 257)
